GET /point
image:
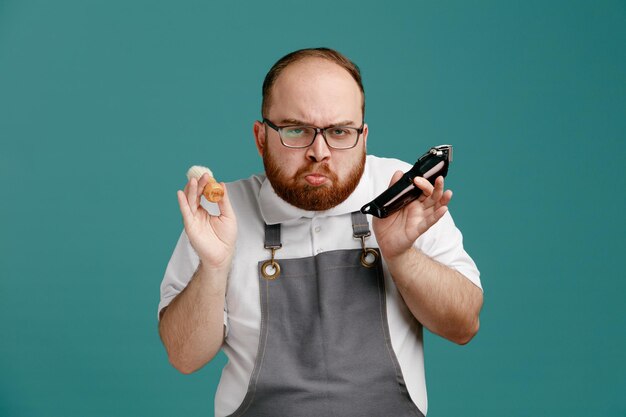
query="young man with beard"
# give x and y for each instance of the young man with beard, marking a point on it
(276, 276)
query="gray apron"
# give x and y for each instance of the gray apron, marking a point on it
(324, 346)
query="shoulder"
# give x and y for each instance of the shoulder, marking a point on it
(388, 164)
(246, 189)
(378, 171)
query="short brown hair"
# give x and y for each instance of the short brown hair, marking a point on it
(323, 53)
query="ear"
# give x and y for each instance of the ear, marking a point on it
(364, 134)
(259, 136)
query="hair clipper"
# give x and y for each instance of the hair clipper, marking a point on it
(431, 165)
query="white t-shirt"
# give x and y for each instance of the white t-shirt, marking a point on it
(304, 234)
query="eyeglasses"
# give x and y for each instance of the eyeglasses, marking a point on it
(298, 136)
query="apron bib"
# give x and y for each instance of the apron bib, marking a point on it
(324, 345)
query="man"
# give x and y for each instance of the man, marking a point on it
(278, 275)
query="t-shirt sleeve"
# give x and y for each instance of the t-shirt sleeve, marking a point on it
(179, 271)
(443, 242)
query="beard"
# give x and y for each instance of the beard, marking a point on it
(309, 197)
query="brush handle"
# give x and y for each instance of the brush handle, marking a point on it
(213, 191)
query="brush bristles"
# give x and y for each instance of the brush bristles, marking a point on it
(197, 171)
(212, 191)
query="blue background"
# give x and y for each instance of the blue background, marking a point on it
(105, 104)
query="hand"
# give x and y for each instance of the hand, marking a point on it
(397, 233)
(212, 237)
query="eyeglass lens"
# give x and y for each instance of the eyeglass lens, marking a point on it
(303, 136)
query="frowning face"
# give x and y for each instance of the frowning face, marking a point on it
(313, 92)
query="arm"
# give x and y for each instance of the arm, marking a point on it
(439, 297)
(191, 327)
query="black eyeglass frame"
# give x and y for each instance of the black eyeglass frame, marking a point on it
(318, 130)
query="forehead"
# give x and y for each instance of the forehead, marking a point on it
(316, 90)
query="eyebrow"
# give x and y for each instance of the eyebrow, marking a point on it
(287, 122)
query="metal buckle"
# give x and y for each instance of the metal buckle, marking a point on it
(369, 256)
(270, 269)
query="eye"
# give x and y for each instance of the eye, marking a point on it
(339, 132)
(294, 131)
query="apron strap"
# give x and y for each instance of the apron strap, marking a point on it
(272, 236)
(361, 230)
(360, 226)
(270, 269)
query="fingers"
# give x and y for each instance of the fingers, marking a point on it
(431, 216)
(185, 210)
(437, 190)
(194, 189)
(437, 214)
(445, 199)
(224, 204)
(424, 185)
(433, 196)
(202, 182)
(441, 197)
(189, 199)
(192, 195)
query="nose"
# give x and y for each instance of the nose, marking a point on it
(319, 150)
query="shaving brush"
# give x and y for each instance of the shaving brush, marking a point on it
(213, 191)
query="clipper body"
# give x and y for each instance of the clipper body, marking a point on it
(432, 164)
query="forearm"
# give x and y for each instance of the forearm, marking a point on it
(192, 327)
(442, 299)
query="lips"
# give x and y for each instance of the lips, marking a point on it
(317, 175)
(316, 179)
